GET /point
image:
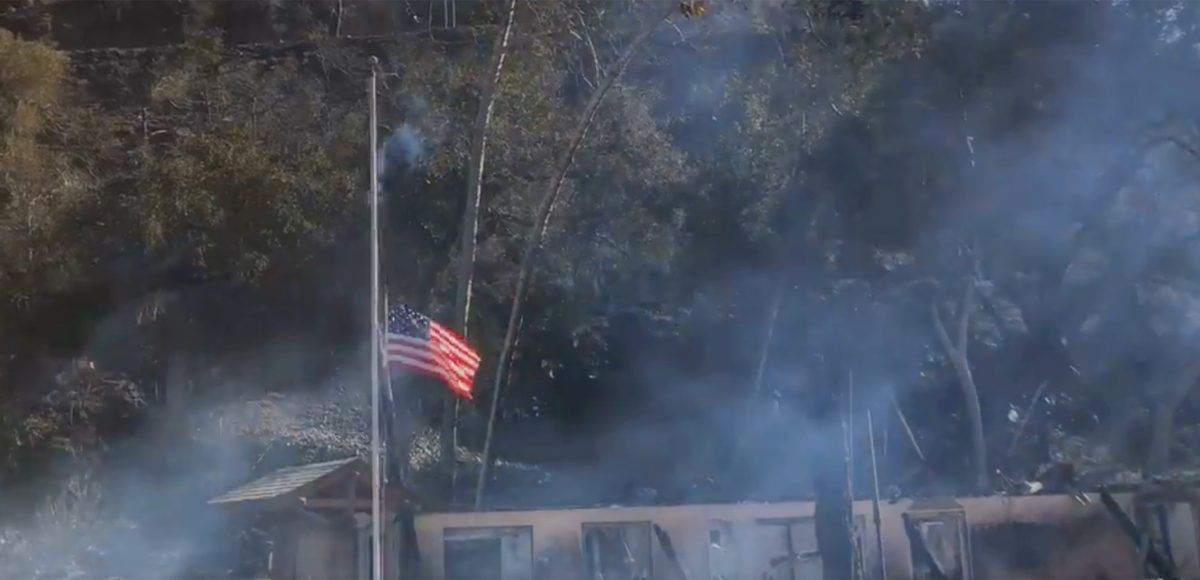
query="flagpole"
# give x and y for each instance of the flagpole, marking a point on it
(376, 495)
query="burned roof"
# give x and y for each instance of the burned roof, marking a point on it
(286, 481)
(934, 504)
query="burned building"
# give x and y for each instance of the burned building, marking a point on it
(966, 538)
(317, 519)
(320, 529)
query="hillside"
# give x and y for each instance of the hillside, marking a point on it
(976, 220)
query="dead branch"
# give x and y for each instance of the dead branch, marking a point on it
(1162, 566)
(668, 547)
(337, 29)
(587, 35)
(907, 430)
(470, 227)
(1025, 418)
(542, 219)
(772, 318)
(968, 302)
(957, 353)
(940, 328)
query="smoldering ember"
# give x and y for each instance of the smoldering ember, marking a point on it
(671, 289)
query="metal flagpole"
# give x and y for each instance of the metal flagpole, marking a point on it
(386, 407)
(376, 348)
(391, 411)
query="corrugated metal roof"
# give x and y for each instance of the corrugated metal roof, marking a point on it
(282, 481)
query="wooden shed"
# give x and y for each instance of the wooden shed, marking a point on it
(318, 519)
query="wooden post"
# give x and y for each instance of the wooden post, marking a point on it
(875, 500)
(834, 510)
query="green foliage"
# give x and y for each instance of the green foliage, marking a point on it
(31, 73)
(237, 204)
(43, 188)
(221, 193)
(68, 421)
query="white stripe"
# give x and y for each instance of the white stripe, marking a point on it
(412, 348)
(416, 364)
(455, 367)
(414, 360)
(443, 342)
(449, 358)
(451, 363)
(424, 353)
(404, 338)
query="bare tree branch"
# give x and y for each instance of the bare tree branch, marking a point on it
(912, 438)
(1037, 396)
(587, 36)
(940, 328)
(542, 219)
(964, 316)
(957, 353)
(470, 226)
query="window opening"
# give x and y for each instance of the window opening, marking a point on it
(617, 551)
(494, 553)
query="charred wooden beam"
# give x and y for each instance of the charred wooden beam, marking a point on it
(669, 549)
(1161, 566)
(925, 557)
(340, 503)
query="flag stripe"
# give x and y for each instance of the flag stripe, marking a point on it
(441, 347)
(401, 338)
(452, 351)
(431, 356)
(441, 372)
(416, 343)
(450, 375)
(451, 340)
(405, 362)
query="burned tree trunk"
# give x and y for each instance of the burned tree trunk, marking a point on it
(545, 210)
(834, 530)
(1166, 402)
(1159, 456)
(956, 351)
(470, 226)
(834, 508)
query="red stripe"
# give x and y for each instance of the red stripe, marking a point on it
(442, 342)
(441, 358)
(444, 356)
(440, 335)
(449, 345)
(458, 385)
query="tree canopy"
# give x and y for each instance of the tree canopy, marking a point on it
(775, 209)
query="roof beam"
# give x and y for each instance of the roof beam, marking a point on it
(339, 503)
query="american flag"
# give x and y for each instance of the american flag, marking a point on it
(416, 343)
